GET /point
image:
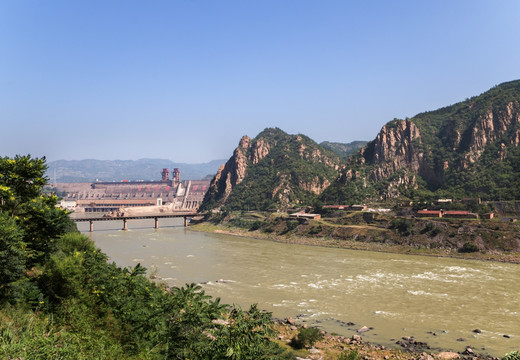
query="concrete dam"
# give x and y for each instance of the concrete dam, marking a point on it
(165, 195)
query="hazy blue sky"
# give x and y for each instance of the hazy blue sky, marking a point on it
(184, 80)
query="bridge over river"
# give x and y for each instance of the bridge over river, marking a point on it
(185, 215)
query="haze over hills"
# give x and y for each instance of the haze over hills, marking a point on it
(469, 149)
(119, 170)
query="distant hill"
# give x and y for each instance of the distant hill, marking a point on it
(118, 170)
(274, 170)
(466, 150)
(344, 150)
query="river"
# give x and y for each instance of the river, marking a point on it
(436, 300)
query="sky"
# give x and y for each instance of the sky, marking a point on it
(184, 80)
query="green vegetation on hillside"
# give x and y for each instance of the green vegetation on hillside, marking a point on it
(344, 150)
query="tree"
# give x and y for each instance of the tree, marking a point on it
(12, 256)
(21, 179)
(30, 221)
(244, 335)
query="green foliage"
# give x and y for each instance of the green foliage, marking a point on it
(306, 337)
(290, 226)
(268, 229)
(189, 321)
(469, 247)
(30, 225)
(315, 230)
(200, 328)
(350, 355)
(32, 336)
(514, 355)
(12, 257)
(256, 225)
(343, 150)
(244, 335)
(24, 176)
(431, 229)
(404, 226)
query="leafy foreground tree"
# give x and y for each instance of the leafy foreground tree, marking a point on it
(515, 355)
(61, 299)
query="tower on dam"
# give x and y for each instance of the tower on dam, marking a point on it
(165, 175)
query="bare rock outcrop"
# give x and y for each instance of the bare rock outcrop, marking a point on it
(492, 126)
(233, 171)
(394, 148)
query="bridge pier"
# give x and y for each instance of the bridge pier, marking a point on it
(157, 223)
(186, 223)
(91, 225)
(125, 226)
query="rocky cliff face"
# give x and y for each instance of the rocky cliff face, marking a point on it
(273, 169)
(396, 146)
(450, 148)
(234, 170)
(490, 127)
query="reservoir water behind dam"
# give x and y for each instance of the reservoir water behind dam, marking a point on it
(436, 300)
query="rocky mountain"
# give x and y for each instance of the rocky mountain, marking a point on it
(273, 170)
(470, 149)
(344, 150)
(118, 170)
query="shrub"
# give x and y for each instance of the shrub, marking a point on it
(404, 226)
(427, 228)
(256, 225)
(269, 229)
(351, 355)
(291, 225)
(435, 231)
(468, 247)
(306, 338)
(315, 230)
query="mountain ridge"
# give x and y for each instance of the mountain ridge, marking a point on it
(344, 150)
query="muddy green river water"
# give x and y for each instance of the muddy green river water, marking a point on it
(436, 300)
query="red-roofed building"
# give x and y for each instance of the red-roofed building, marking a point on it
(460, 214)
(429, 213)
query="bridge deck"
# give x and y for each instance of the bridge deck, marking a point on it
(184, 215)
(137, 217)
